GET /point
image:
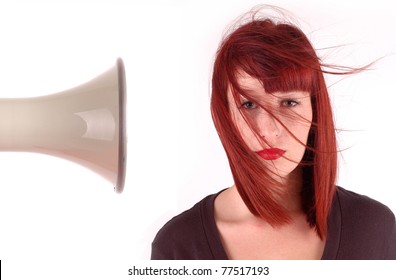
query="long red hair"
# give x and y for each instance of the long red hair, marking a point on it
(283, 59)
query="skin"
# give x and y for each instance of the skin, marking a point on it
(245, 236)
(293, 110)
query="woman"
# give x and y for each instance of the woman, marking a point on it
(272, 112)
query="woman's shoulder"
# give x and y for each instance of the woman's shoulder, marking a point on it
(185, 221)
(361, 206)
(367, 227)
(184, 236)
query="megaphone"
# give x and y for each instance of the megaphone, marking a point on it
(85, 124)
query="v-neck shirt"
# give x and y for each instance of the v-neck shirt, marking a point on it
(359, 228)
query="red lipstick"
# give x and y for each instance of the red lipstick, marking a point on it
(271, 153)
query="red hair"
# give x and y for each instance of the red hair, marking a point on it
(281, 57)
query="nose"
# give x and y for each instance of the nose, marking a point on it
(268, 126)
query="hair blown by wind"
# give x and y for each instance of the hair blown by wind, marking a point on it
(281, 57)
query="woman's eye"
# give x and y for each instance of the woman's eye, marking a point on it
(290, 103)
(249, 105)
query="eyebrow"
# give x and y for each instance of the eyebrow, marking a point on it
(259, 93)
(253, 92)
(298, 93)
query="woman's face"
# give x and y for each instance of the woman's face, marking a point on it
(282, 135)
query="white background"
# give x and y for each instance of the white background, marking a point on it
(60, 220)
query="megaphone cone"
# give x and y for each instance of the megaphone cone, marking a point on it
(85, 124)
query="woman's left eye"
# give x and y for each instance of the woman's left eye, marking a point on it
(248, 105)
(289, 103)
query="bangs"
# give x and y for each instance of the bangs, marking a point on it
(289, 80)
(274, 77)
(281, 58)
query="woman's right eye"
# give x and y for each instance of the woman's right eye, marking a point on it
(248, 105)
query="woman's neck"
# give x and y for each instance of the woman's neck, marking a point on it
(291, 198)
(235, 208)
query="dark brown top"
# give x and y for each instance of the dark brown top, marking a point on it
(359, 228)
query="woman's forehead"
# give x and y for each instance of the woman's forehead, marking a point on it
(253, 88)
(249, 84)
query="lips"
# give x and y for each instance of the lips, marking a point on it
(271, 153)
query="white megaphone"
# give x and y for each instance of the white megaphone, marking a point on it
(86, 125)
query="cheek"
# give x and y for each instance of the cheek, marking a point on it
(244, 129)
(301, 126)
(300, 132)
(303, 132)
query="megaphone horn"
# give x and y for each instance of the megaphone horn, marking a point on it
(86, 125)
